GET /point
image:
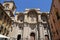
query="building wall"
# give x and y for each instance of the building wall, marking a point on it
(5, 22)
(27, 26)
(16, 31)
(55, 19)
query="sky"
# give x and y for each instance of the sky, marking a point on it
(43, 5)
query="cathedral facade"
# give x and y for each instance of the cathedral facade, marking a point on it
(29, 25)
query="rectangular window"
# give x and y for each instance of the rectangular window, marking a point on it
(51, 26)
(57, 32)
(58, 16)
(53, 20)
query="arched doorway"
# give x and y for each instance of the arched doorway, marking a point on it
(32, 36)
(46, 37)
(19, 37)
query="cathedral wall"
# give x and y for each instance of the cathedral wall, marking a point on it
(27, 31)
(16, 31)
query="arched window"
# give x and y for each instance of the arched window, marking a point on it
(21, 17)
(33, 15)
(44, 16)
(6, 6)
(32, 12)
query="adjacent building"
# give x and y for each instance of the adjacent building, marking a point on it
(54, 20)
(9, 7)
(7, 11)
(5, 22)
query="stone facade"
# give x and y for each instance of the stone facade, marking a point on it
(31, 25)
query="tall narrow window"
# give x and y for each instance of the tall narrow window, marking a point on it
(21, 18)
(53, 20)
(57, 32)
(58, 16)
(51, 26)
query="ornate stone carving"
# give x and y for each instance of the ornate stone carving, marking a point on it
(32, 26)
(21, 26)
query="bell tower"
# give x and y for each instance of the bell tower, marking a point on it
(9, 7)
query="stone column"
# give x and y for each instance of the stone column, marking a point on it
(36, 32)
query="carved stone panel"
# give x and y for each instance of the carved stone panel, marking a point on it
(32, 26)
